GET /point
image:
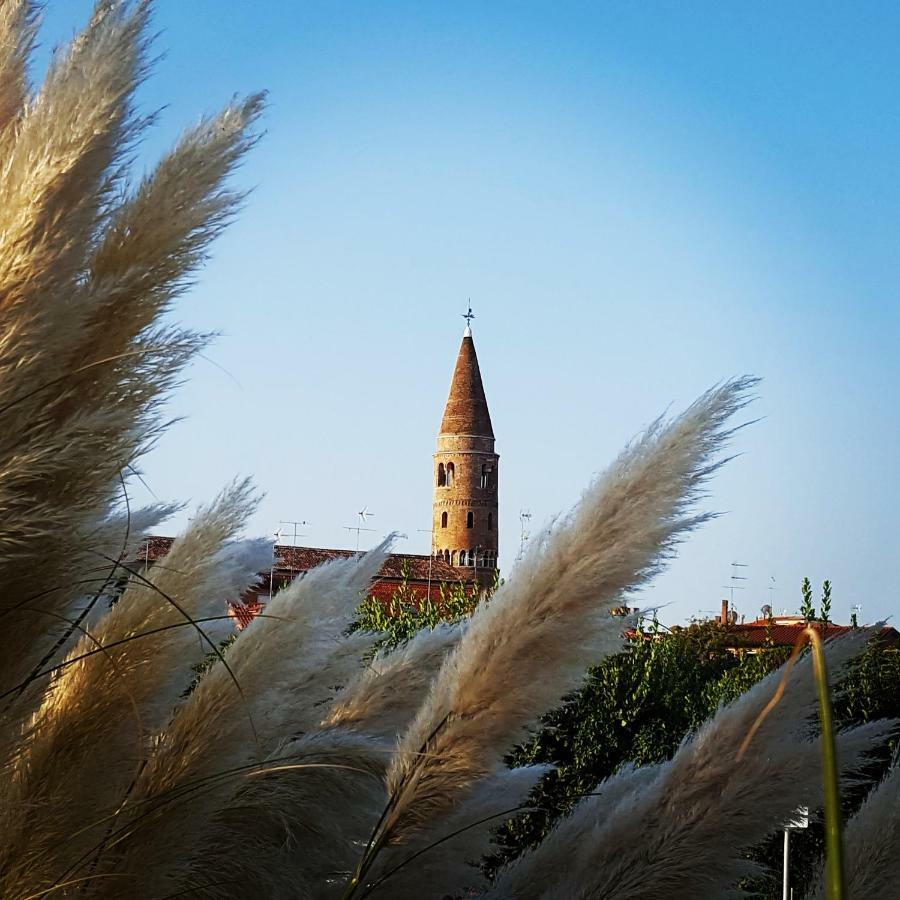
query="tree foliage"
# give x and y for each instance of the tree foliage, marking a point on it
(807, 610)
(639, 705)
(406, 612)
(825, 606)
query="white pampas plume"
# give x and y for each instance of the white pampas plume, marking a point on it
(281, 663)
(553, 614)
(84, 366)
(113, 542)
(53, 183)
(17, 33)
(383, 698)
(871, 839)
(84, 277)
(704, 804)
(89, 737)
(446, 856)
(301, 816)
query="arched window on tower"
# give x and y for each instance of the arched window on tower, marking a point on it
(442, 475)
(470, 520)
(451, 473)
(443, 520)
(486, 475)
(490, 521)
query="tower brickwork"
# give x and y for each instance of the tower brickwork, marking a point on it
(465, 475)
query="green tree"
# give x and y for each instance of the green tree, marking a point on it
(406, 612)
(636, 707)
(825, 608)
(807, 610)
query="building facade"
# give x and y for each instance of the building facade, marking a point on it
(465, 529)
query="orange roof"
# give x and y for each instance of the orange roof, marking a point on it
(758, 633)
(419, 568)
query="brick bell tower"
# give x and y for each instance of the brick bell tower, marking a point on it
(464, 511)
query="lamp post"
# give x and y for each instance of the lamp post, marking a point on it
(800, 820)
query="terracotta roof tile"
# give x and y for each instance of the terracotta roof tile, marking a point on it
(756, 634)
(302, 559)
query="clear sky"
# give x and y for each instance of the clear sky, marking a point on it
(639, 198)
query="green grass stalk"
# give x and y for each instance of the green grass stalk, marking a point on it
(835, 882)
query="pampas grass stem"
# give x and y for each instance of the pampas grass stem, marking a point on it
(834, 847)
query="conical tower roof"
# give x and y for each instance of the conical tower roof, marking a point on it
(467, 410)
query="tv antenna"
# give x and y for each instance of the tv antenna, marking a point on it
(296, 525)
(364, 516)
(295, 534)
(773, 595)
(735, 577)
(277, 535)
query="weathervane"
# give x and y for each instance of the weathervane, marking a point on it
(468, 316)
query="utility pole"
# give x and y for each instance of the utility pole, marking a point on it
(800, 820)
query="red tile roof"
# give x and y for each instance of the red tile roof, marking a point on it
(242, 614)
(425, 576)
(302, 559)
(781, 634)
(419, 568)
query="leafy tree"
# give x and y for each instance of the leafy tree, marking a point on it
(406, 612)
(210, 658)
(807, 610)
(825, 608)
(636, 706)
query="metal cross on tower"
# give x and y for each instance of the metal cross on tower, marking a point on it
(468, 316)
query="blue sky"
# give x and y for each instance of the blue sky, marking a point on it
(640, 200)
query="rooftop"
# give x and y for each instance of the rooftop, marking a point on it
(417, 567)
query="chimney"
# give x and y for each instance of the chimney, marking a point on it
(723, 617)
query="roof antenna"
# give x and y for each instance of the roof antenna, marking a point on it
(294, 537)
(735, 577)
(468, 316)
(364, 515)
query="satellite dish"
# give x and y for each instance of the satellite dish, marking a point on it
(767, 611)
